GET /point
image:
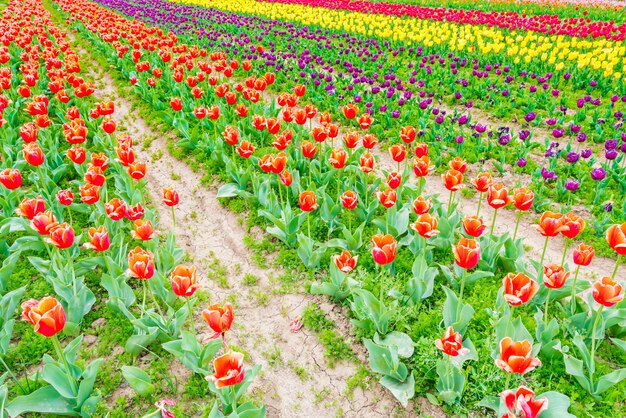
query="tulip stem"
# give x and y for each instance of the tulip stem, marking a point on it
(450, 204)
(519, 218)
(593, 346)
(480, 200)
(616, 266)
(565, 247)
(59, 350)
(573, 298)
(155, 301)
(508, 380)
(545, 312)
(193, 326)
(69, 212)
(234, 399)
(17, 382)
(543, 255)
(41, 178)
(280, 193)
(493, 223)
(173, 219)
(308, 224)
(143, 302)
(458, 308)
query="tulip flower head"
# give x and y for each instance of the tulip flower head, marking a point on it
(451, 343)
(522, 403)
(616, 238)
(47, 315)
(345, 261)
(219, 319)
(607, 292)
(184, 281)
(466, 253)
(229, 370)
(384, 248)
(516, 356)
(519, 288)
(554, 276)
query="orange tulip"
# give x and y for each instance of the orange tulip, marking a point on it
(338, 158)
(516, 356)
(407, 134)
(219, 319)
(425, 225)
(367, 162)
(286, 178)
(140, 264)
(143, 230)
(616, 238)
(498, 196)
(29, 208)
(369, 141)
(89, 193)
(245, 149)
(308, 149)
(554, 276)
(11, 178)
(98, 239)
(349, 199)
(365, 121)
(345, 261)
(458, 164)
(482, 182)
(452, 180)
(351, 139)
(47, 315)
(77, 155)
(574, 225)
(466, 253)
(519, 288)
(33, 154)
(421, 166)
(451, 343)
(551, 224)
(61, 236)
(43, 222)
(184, 282)
(383, 248)
(387, 198)
(94, 176)
(473, 226)
(583, 254)
(523, 198)
(607, 292)
(229, 370)
(350, 110)
(421, 205)
(397, 152)
(170, 196)
(308, 201)
(116, 209)
(137, 170)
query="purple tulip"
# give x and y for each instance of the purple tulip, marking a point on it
(521, 163)
(572, 185)
(572, 157)
(598, 173)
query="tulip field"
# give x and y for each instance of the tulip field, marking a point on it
(321, 208)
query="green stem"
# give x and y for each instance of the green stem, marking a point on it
(280, 193)
(69, 211)
(480, 201)
(593, 346)
(308, 224)
(543, 255)
(508, 380)
(545, 312)
(173, 219)
(493, 222)
(17, 382)
(449, 204)
(519, 218)
(193, 326)
(143, 301)
(617, 262)
(565, 247)
(380, 281)
(42, 180)
(458, 308)
(234, 399)
(59, 351)
(573, 298)
(155, 301)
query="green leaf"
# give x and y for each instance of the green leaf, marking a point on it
(403, 391)
(609, 380)
(138, 380)
(58, 378)
(45, 400)
(558, 405)
(400, 340)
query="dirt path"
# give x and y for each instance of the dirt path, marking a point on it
(213, 239)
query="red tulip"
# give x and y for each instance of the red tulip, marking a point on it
(387, 198)
(421, 205)
(574, 225)
(184, 282)
(466, 253)
(351, 139)
(407, 134)
(349, 199)
(143, 230)
(425, 225)
(583, 254)
(523, 198)
(89, 193)
(345, 261)
(383, 248)
(397, 152)
(366, 162)
(245, 149)
(61, 236)
(421, 166)
(77, 154)
(65, 197)
(134, 212)
(394, 179)
(551, 224)
(473, 226)
(350, 110)
(451, 343)
(308, 149)
(458, 164)
(338, 158)
(229, 370)
(29, 132)
(522, 403)
(33, 154)
(554, 276)
(140, 264)
(98, 239)
(116, 209)
(308, 201)
(607, 292)
(137, 170)
(11, 178)
(482, 182)
(365, 121)
(519, 288)
(29, 208)
(47, 315)
(43, 222)
(516, 356)
(498, 196)
(219, 319)
(170, 196)
(286, 178)
(616, 238)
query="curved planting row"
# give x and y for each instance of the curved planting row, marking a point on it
(442, 303)
(401, 87)
(77, 243)
(511, 20)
